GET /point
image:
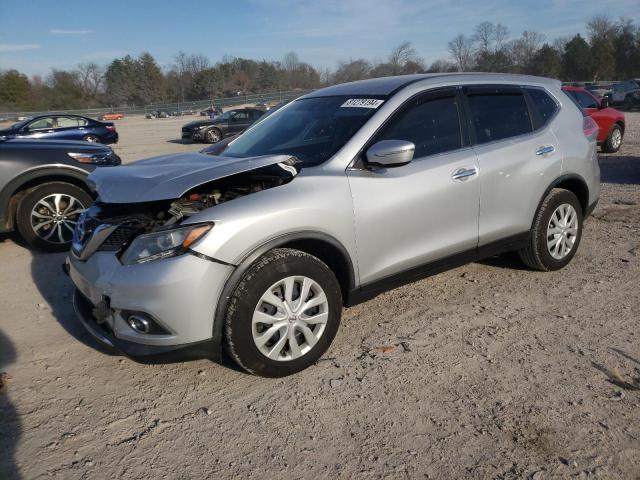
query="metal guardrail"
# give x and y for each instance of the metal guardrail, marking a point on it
(196, 105)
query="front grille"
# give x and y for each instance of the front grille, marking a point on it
(118, 238)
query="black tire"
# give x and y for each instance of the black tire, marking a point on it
(213, 135)
(536, 255)
(609, 144)
(31, 199)
(267, 270)
(91, 138)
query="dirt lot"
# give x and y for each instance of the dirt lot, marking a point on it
(486, 371)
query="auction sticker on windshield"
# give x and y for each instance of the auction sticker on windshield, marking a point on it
(363, 103)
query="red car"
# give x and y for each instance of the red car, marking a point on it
(610, 121)
(111, 116)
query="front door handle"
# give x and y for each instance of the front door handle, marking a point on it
(463, 174)
(546, 150)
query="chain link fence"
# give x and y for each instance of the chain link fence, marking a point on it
(187, 107)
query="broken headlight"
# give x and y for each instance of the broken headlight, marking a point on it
(163, 243)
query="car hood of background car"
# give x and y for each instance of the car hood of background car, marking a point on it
(169, 177)
(200, 123)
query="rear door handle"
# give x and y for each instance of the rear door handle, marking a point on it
(546, 150)
(463, 173)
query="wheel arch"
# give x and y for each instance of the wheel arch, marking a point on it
(13, 191)
(323, 246)
(573, 183)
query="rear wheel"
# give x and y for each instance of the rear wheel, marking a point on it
(284, 313)
(556, 232)
(614, 140)
(47, 215)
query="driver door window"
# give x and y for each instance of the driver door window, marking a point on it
(431, 124)
(46, 123)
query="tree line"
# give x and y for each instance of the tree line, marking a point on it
(611, 50)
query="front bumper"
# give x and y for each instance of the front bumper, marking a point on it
(180, 294)
(195, 135)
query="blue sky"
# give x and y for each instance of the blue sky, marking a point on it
(38, 35)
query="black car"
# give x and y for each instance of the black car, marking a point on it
(43, 189)
(63, 127)
(229, 123)
(219, 147)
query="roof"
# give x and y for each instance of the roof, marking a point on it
(390, 85)
(373, 86)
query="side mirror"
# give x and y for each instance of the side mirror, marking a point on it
(604, 103)
(390, 153)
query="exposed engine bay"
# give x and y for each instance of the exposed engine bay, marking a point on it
(122, 222)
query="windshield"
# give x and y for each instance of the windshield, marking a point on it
(311, 129)
(225, 115)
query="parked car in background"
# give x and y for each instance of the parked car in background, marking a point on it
(63, 127)
(176, 113)
(611, 123)
(229, 123)
(111, 116)
(347, 192)
(43, 189)
(161, 114)
(625, 94)
(219, 147)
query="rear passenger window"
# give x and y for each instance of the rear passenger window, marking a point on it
(496, 116)
(544, 104)
(431, 124)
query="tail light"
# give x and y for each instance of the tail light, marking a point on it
(589, 128)
(111, 128)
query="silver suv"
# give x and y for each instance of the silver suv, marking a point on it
(340, 195)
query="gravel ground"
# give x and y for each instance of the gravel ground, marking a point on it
(485, 371)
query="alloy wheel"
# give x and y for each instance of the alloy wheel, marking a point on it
(290, 318)
(54, 217)
(616, 138)
(562, 231)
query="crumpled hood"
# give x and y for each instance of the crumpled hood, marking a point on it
(169, 177)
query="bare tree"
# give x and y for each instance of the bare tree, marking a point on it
(524, 48)
(351, 71)
(91, 77)
(500, 36)
(601, 27)
(461, 49)
(402, 56)
(483, 35)
(290, 61)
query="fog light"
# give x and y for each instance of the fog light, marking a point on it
(142, 322)
(139, 324)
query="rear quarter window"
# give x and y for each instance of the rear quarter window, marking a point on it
(545, 106)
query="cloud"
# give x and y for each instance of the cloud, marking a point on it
(8, 47)
(56, 31)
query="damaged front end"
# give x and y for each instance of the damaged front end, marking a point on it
(150, 229)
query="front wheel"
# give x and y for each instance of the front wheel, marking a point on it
(556, 232)
(47, 215)
(213, 135)
(284, 313)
